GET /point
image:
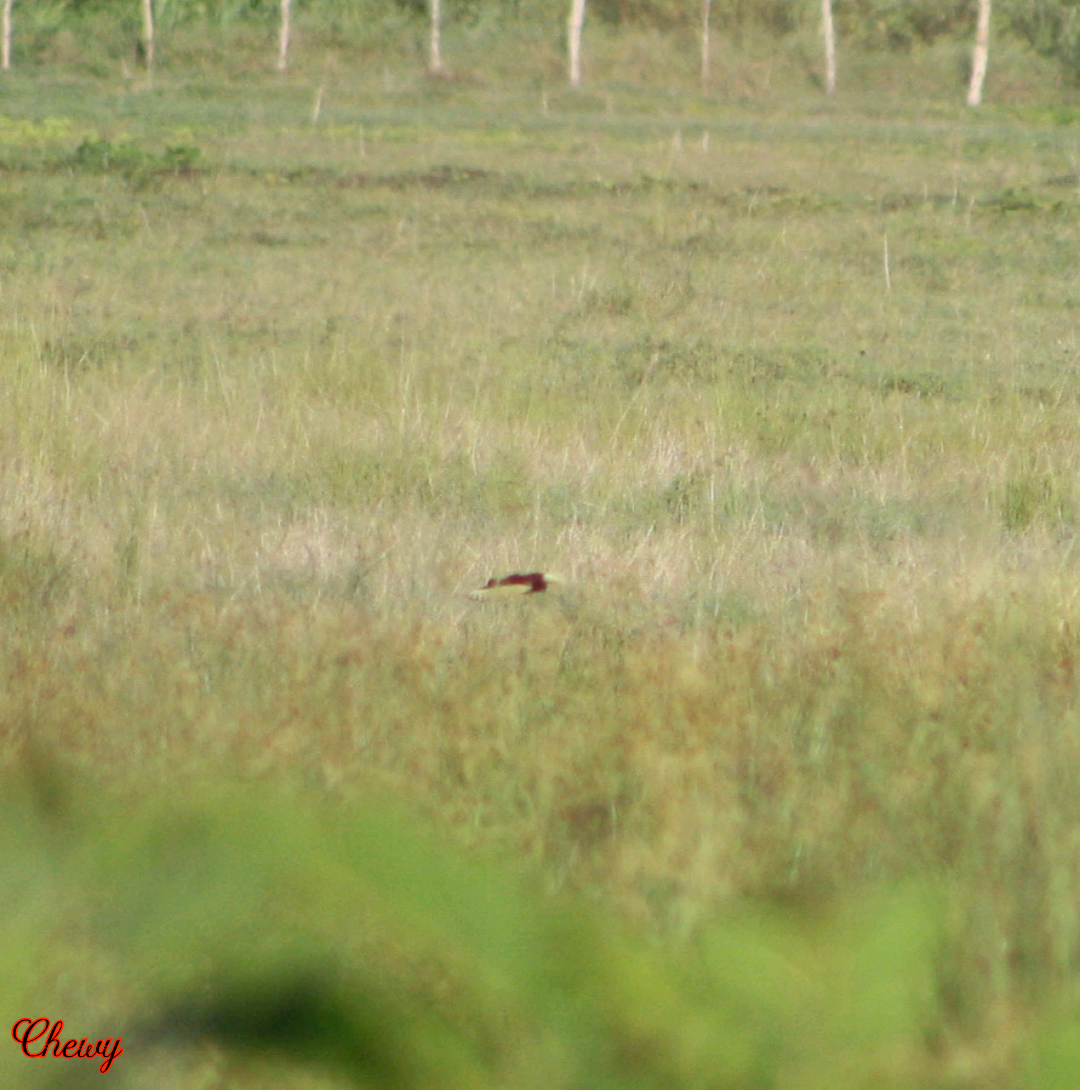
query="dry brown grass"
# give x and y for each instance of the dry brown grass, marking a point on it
(265, 424)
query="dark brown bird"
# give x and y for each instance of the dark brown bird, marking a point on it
(531, 583)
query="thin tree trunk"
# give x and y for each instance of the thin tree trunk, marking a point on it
(5, 46)
(286, 34)
(435, 64)
(148, 37)
(574, 27)
(706, 12)
(829, 33)
(981, 56)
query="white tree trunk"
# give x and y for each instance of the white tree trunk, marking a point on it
(574, 26)
(5, 45)
(435, 64)
(148, 36)
(285, 35)
(706, 11)
(981, 56)
(829, 33)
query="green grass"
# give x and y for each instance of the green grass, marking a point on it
(777, 792)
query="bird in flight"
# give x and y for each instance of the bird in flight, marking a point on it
(511, 585)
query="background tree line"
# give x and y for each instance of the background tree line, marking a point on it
(1050, 27)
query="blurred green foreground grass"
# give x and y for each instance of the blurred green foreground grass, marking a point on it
(240, 936)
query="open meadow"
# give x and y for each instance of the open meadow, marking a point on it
(778, 789)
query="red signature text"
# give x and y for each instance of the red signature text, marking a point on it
(30, 1031)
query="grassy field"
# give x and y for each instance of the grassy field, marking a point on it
(778, 790)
